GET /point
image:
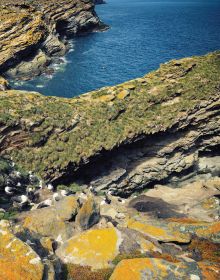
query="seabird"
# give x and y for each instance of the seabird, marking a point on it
(21, 200)
(56, 197)
(50, 187)
(40, 184)
(9, 190)
(102, 202)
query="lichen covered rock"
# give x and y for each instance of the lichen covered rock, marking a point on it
(155, 269)
(94, 248)
(17, 259)
(89, 214)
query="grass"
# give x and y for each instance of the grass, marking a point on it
(54, 141)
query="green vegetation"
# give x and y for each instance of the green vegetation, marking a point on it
(57, 134)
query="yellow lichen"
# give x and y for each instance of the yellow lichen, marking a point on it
(94, 248)
(157, 232)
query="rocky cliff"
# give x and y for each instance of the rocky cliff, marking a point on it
(155, 129)
(33, 33)
(71, 171)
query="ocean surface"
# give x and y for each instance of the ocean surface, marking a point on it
(143, 35)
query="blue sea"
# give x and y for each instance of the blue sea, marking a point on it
(142, 35)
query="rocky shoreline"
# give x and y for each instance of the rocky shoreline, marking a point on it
(43, 28)
(122, 183)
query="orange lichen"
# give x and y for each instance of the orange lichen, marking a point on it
(131, 269)
(209, 230)
(209, 272)
(207, 250)
(183, 220)
(18, 260)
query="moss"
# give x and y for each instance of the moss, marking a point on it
(8, 215)
(76, 272)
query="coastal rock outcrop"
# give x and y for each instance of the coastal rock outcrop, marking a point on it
(164, 129)
(18, 260)
(33, 33)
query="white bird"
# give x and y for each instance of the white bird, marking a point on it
(50, 187)
(41, 184)
(64, 192)
(22, 199)
(18, 184)
(9, 190)
(103, 202)
(56, 197)
(29, 242)
(18, 173)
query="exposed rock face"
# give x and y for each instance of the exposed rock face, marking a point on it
(18, 260)
(89, 214)
(166, 125)
(33, 31)
(89, 248)
(147, 268)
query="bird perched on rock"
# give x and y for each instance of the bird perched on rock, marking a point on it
(50, 187)
(21, 200)
(56, 196)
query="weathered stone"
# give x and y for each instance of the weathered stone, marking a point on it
(159, 231)
(17, 259)
(66, 208)
(89, 214)
(93, 248)
(51, 221)
(157, 269)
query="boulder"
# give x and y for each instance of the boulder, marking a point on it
(94, 248)
(155, 269)
(89, 214)
(159, 231)
(52, 221)
(17, 259)
(66, 208)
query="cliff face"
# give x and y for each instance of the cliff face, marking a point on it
(123, 138)
(33, 32)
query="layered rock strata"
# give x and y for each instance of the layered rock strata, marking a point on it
(33, 33)
(123, 138)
